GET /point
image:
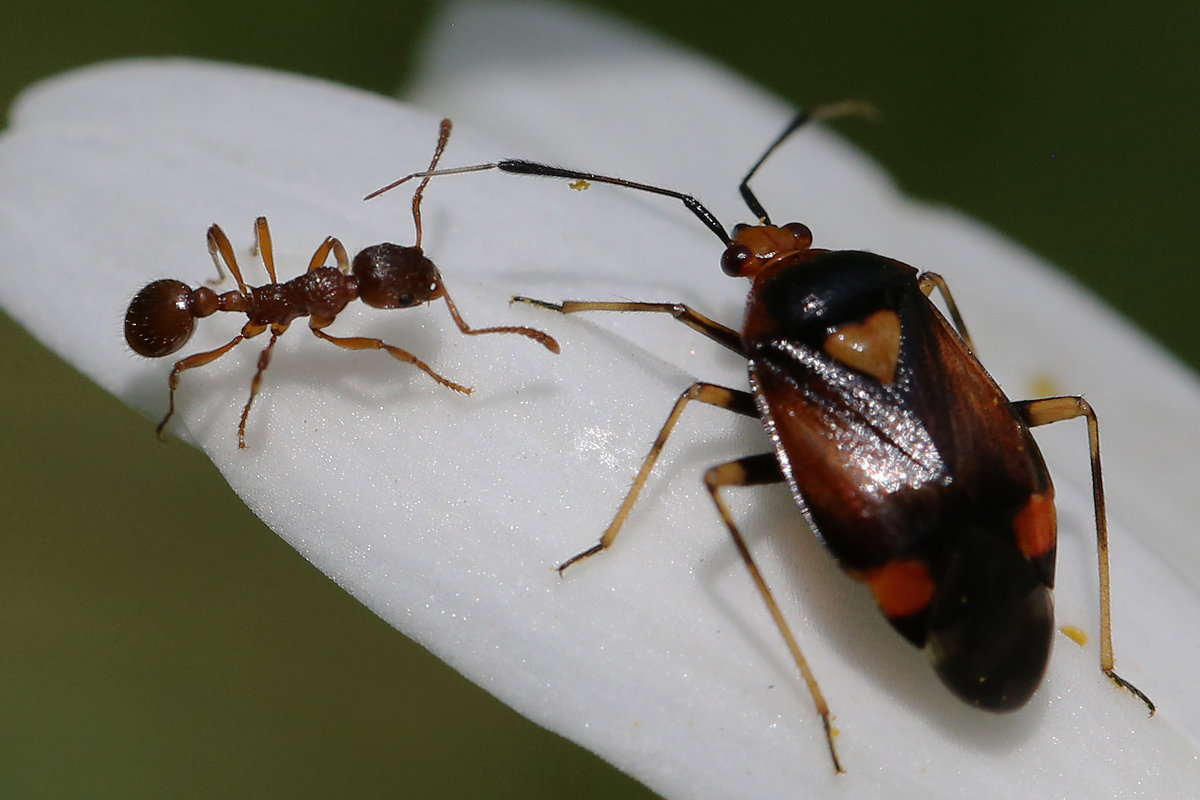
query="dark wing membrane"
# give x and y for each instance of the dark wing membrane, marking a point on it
(891, 470)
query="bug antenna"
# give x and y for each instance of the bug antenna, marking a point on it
(522, 167)
(443, 138)
(517, 166)
(844, 108)
(430, 174)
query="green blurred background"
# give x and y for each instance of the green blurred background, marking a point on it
(157, 641)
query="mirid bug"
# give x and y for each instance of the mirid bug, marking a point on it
(909, 462)
(162, 316)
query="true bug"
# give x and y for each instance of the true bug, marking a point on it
(909, 462)
(162, 316)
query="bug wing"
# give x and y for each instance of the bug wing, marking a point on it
(920, 478)
(882, 467)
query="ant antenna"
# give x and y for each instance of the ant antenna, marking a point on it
(443, 137)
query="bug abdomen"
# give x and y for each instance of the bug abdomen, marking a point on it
(990, 623)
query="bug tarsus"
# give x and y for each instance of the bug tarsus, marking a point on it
(539, 303)
(575, 559)
(827, 721)
(1135, 691)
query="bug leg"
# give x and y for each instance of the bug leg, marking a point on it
(545, 339)
(756, 471)
(737, 401)
(930, 281)
(191, 362)
(364, 343)
(685, 314)
(1056, 409)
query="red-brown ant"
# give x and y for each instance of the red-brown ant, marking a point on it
(162, 316)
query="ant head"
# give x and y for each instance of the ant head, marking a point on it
(162, 316)
(753, 247)
(393, 276)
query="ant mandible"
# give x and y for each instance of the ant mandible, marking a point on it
(162, 316)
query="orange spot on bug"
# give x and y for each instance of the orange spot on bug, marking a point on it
(1036, 525)
(871, 346)
(901, 587)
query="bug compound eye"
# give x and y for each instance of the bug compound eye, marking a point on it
(802, 234)
(735, 259)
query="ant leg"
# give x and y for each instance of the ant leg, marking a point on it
(322, 253)
(191, 362)
(732, 399)
(693, 319)
(264, 360)
(219, 242)
(930, 281)
(364, 343)
(263, 246)
(1056, 409)
(546, 340)
(756, 471)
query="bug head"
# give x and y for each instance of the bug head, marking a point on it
(162, 316)
(394, 276)
(752, 248)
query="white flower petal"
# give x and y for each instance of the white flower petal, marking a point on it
(444, 514)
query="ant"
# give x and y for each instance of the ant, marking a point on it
(162, 316)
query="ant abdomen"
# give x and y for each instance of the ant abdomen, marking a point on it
(162, 316)
(393, 276)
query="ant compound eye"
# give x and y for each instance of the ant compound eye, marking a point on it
(735, 259)
(160, 319)
(392, 276)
